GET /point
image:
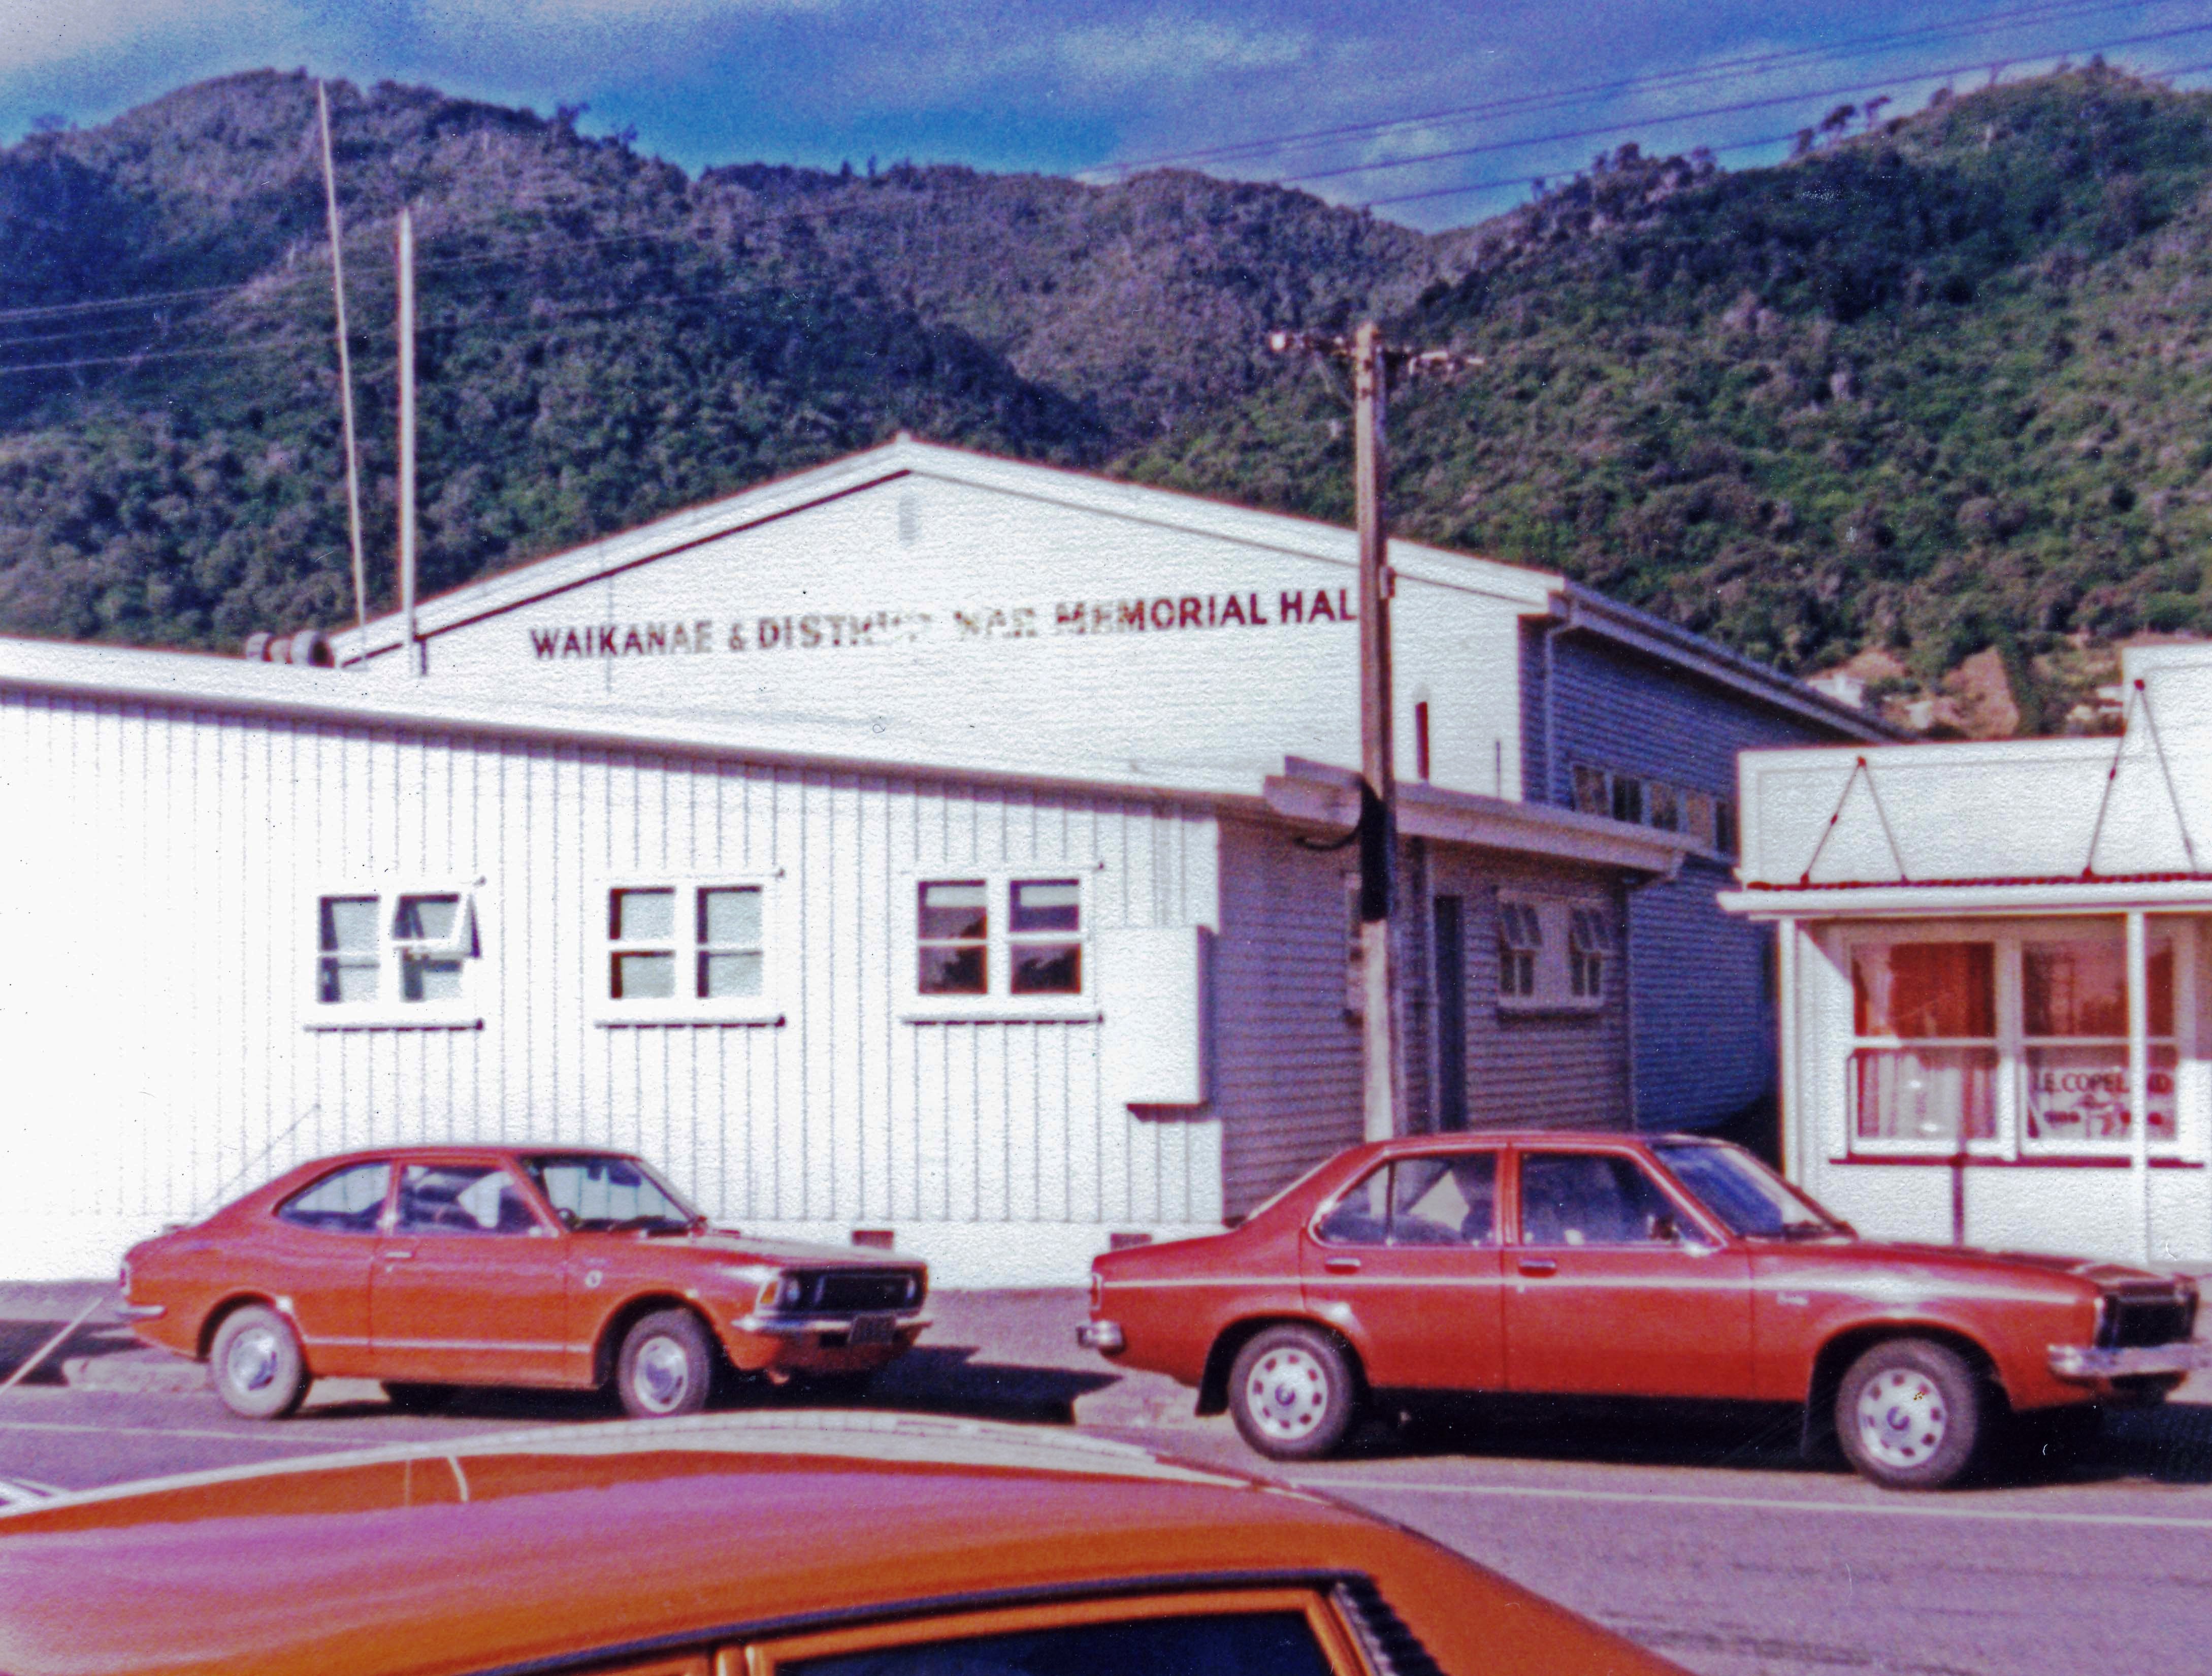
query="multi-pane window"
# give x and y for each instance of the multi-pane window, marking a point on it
(1552, 952)
(1702, 816)
(953, 937)
(988, 938)
(695, 947)
(1520, 942)
(1925, 1052)
(2073, 1046)
(394, 954)
(1044, 950)
(1589, 945)
(2017, 1040)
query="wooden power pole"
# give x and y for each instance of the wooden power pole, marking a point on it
(406, 260)
(1372, 362)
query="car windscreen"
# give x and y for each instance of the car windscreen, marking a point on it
(1274, 1643)
(1751, 1199)
(595, 1192)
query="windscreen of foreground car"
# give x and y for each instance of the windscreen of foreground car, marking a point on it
(1751, 1199)
(593, 1193)
(1274, 1644)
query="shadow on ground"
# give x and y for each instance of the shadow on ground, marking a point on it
(22, 1339)
(2168, 1445)
(934, 1379)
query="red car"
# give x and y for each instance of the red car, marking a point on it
(431, 1267)
(1668, 1266)
(791, 1545)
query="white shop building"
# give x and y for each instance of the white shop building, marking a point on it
(1993, 965)
(927, 847)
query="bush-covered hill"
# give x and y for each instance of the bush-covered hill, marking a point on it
(1935, 389)
(601, 338)
(1928, 390)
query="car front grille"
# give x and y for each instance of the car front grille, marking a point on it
(855, 1292)
(2135, 1322)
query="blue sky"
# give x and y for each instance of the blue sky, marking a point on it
(1090, 84)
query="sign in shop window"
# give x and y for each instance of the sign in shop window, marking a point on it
(2074, 1003)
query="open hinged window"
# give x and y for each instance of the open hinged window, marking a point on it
(397, 956)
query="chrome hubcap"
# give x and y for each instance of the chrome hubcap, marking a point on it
(664, 1374)
(253, 1360)
(1901, 1417)
(1287, 1393)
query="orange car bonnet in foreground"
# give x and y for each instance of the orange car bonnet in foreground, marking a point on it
(743, 1545)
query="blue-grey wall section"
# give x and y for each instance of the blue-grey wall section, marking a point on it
(1702, 1023)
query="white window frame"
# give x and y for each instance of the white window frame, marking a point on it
(1707, 819)
(776, 949)
(388, 1011)
(2011, 1143)
(998, 1002)
(1555, 911)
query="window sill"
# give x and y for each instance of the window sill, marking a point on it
(396, 1021)
(1520, 1008)
(1002, 1010)
(678, 1018)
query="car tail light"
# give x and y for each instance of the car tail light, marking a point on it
(1097, 1292)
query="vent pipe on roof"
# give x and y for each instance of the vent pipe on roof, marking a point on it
(308, 646)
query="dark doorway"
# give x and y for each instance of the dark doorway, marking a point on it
(1451, 1014)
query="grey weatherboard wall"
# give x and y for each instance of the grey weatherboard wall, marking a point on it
(1700, 997)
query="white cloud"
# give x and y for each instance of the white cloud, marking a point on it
(1179, 49)
(45, 33)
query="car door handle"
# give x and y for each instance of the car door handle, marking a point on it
(396, 1256)
(1341, 1265)
(1540, 1266)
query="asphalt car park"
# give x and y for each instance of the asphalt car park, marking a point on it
(1699, 1534)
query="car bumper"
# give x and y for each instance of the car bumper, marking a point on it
(141, 1312)
(2084, 1364)
(1104, 1336)
(818, 1343)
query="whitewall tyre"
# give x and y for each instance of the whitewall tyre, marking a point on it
(1292, 1392)
(666, 1366)
(258, 1370)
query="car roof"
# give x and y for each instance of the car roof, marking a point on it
(620, 1537)
(464, 1149)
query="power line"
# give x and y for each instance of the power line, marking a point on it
(1660, 80)
(1741, 105)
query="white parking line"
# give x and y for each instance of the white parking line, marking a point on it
(1764, 1503)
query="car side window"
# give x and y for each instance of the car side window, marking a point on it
(1449, 1200)
(1577, 1199)
(1275, 1643)
(462, 1198)
(346, 1201)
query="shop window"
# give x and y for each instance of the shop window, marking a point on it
(1000, 944)
(395, 958)
(1925, 1052)
(1552, 952)
(685, 951)
(2074, 1045)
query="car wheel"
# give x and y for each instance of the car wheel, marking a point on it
(408, 1396)
(1909, 1414)
(258, 1370)
(1293, 1393)
(666, 1366)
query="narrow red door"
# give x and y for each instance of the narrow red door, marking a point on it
(1614, 1288)
(1405, 1264)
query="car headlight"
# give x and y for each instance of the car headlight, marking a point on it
(789, 1292)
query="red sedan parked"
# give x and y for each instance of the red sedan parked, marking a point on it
(1672, 1267)
(431, 1267)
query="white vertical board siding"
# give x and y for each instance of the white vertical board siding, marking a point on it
(165, 860)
